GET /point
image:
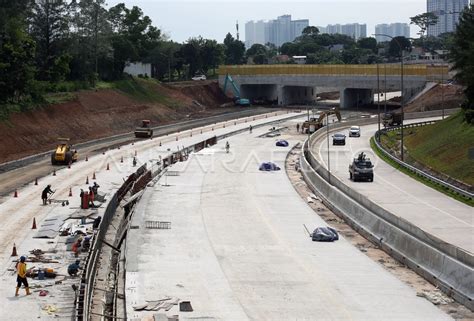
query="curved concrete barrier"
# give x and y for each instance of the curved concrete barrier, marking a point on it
(448, 266)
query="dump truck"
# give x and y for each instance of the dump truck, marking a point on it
(392, 119)
(361, 168)
(63, 154)
(313, 124)
(144, 131)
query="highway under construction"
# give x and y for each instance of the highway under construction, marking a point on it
(182, 228)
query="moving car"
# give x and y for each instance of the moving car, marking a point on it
(361, 168)
(339, 139)
(199, 77)
(354, 131)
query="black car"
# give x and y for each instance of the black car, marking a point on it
(339, 139)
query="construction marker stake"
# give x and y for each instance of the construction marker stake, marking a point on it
(87, 159)
(93, 176)
(87, 180)
(36, 181)
(70, 191)
(14, 250)
(108, 168)
(16, 193)
(33, 227)
(54, 173)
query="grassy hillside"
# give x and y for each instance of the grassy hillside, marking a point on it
(444, 147)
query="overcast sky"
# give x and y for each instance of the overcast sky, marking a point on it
(213, 19)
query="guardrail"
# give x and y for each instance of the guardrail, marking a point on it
(448, 266)
(419, 172)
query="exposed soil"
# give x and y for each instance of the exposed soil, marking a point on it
(452, 95)
(100, 113)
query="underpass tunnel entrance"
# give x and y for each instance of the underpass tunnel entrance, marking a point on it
(261, 94)
(297, 95)
(356, 97)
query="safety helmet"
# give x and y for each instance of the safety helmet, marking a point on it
(22, 258)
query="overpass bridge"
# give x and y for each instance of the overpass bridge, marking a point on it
(299, 84)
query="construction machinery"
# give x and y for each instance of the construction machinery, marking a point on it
(238, 101)
(313, 124)
(64, 154)
(144, 131)
(392, 119)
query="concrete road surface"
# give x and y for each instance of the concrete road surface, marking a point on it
(237, 249)
(432, 211)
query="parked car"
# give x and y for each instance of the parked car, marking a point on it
(199, 77)
(354, 131)
(339, 139)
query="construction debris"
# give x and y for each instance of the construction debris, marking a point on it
(435, 297)
(165, 303)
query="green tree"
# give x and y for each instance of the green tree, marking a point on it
(50, 30)
(17, 51)
(234, 50)
(462, 54)
(397, 44)
(368, 43)
(423, 21)
(212, 55)
(258, 53)
(310, 31)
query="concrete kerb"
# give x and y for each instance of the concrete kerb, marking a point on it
(443, 264)
(135, 221)
(7, 166)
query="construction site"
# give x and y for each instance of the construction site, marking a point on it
(196, 204)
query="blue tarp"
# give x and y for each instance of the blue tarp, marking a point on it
(325, 234)
(282, 143)
(269, 166)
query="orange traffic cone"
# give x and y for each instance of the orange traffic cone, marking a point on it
(34, 224)
(15, 194)
(108, 168)
(87, 180)
(70, 191)
(36, 181)
(54, 173)
(191, 134)
(121, 159)
(201, 131)
(93, 176)
(87, 159)
(14, 250)
(212, 128)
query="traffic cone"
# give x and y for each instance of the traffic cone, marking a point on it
(121, 159)
(223, 126)
(15, 194)
(70, 191)
(201, 131)
(93, 176)
(36, 181)
(176, 138)
(133, 144)
(160, 143)
(191, 134)
(87, 180)
(108, 168)
(235, 123)
(54, 172)
(14, 250)
(212, 128)
(87, 159)
(34, 224)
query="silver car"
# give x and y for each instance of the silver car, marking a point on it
(354, 131)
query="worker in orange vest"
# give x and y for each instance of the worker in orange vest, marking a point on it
(21, 277)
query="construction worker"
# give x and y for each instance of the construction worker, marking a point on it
(134, 162)
(91, 197)
(45, 194)
(73, 268)
(95, 188)
(21, 277)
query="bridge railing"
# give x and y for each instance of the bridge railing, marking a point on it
(432, 73)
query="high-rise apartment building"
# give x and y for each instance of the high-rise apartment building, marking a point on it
(448, 13)
(353, 30)
(393, 30)
(277, 31)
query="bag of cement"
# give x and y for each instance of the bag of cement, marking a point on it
(325, 234)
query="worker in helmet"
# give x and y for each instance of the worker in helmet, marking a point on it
(21, 276)
(45, 194)
(73, 268)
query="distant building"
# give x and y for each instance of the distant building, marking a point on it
(393, 29)
(276, 31)
(353, 30)
(138, 69)
(448, 13)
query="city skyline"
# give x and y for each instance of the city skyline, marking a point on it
(169, 16)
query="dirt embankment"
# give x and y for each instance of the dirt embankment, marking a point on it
(440, 96)
(94, 114)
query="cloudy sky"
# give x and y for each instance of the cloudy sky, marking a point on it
(182, 19)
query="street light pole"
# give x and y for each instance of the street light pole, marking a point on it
(327, 136)
(402, 103)
(378, 96)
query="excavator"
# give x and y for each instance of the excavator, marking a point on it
(63, 154)
(313, 124)
(238, 101)
(145, 130)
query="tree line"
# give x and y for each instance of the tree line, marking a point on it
(47, 42)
